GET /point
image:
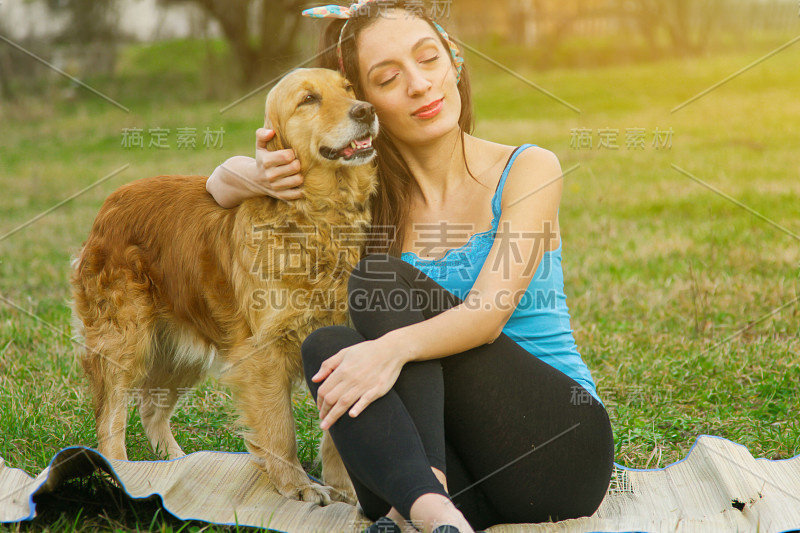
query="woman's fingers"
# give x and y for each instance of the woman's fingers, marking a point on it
(361, 404)
(323, 372)
(285, 176)
(326, 401)
(335, 403)
(263, 135)
(336, 410)
(327, 394)
(331, 404)
(328, 365)
(279, 170)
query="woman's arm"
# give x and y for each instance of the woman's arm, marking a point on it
(358, 374)
(527, 225)
(272, 173)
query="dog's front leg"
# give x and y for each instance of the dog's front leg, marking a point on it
(261, 379)
(334, 472)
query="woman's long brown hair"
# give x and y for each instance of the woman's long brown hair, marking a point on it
(390, 207)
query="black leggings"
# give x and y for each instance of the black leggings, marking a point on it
(504, 426)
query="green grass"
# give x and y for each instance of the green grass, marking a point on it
(658, 268)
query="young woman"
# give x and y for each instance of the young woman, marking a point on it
(460, 399)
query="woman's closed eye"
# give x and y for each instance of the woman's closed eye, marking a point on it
(431, 60)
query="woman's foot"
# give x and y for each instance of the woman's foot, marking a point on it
(450, 529)
(383, 524)
(393, 522)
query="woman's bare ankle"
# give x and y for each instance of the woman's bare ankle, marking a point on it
(432, 510)
(395, 515)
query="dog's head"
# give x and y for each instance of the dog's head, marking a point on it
(315, 113)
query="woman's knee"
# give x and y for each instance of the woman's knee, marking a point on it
(323, 343)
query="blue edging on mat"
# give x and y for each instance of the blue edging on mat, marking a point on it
(32, 505)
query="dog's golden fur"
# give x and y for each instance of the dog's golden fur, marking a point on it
(169, 284)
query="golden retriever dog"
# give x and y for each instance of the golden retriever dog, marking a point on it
(170, 286)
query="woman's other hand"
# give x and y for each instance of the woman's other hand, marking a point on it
(271, 173)
(354, 377)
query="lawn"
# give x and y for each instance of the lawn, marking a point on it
(680, 256)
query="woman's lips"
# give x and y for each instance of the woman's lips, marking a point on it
(429, 111)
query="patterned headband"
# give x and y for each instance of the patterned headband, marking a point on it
(361, 7)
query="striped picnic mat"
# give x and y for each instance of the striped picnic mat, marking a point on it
(718, 487)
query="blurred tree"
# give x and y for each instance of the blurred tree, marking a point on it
(262, 33)
(688, 24)
(90, 37)
(5, 69)
(675, 27)
(555, 22)
(88, 21)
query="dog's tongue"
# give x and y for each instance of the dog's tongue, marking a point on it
(348, 151)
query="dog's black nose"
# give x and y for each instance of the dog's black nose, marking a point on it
(363, 112)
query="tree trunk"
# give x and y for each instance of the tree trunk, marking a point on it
(264, 49)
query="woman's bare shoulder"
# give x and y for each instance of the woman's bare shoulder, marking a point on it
(497, 151)
(491, 155)
(488, 146)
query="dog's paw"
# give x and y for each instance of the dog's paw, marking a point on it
(311, 492)
(346, 495)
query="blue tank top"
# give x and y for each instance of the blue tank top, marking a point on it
(540, 322)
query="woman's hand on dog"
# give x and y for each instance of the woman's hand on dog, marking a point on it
(271, 173)
(278, 172)
(355, 376)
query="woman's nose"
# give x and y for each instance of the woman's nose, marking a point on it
(418, 82)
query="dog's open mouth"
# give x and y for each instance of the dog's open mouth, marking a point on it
(357, 148)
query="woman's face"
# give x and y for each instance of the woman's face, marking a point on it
(403, 66)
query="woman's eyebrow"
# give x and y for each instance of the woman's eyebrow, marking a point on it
(387, 61)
